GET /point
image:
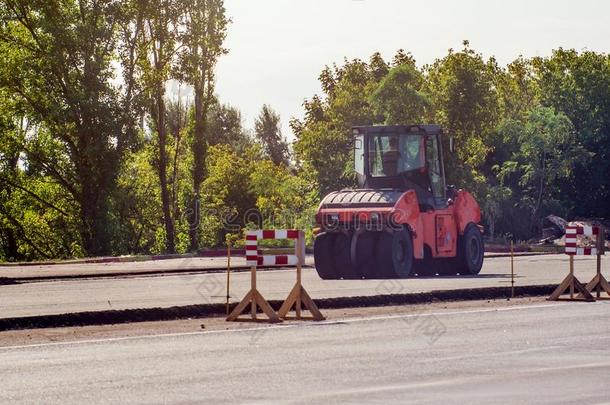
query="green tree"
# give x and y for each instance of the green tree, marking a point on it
(225, 127)
(10, 129)
(323, 146)
(461, 90)
(578, 85)
(205, 25)
(268, 131)
(157, 52)
(37, 217)
(57, 61)
(227, 195)
(399, 97)
(547, 153)
(137, 201)
(283, 199)
(517, 87)
(493, 205)
(180, 179)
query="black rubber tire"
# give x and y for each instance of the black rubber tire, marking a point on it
(323, 256)
(342, 257)
(366, 252)
(395, 256)
(383, 259)
(471, 251)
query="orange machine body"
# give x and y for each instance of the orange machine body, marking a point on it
(436, 229)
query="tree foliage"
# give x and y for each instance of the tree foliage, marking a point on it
(159, 23)
(57, 62)
(578, 84)
(545, 152)
(400, 97)
(323, 137)
(204, 33)
(98, 157)
(268, 131)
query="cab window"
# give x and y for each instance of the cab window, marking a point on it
(434, 168)
(390, 155)
(359, 154)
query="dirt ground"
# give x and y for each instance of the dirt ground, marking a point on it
(72, 334)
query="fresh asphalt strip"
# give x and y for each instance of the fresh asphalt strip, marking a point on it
(194, 270)
(207, 310)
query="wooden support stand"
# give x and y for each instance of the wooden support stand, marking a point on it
(571, 283)
(255, 299)
(599, 282)
(298, 297)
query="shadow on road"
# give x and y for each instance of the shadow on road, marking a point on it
(468, 276)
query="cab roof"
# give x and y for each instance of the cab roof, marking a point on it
(425, 129)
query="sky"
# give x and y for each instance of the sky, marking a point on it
(277, 48)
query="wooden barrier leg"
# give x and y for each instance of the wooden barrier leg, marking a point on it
(267, 309)
(240, 307)
(254, 298)
(300, 287)
(599, 282)
(572, 284)
(253, 284)
(228, 275)
(599, 274)
(572, 277)
(298, 296)
(311, 306)
(289, 301)
(561, 288)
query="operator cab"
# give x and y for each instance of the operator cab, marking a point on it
(402, 157)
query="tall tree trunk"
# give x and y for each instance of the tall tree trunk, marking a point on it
(10, 246)
(199, 155)
(206, 27)
(165, 197)
(94, 216)
(160, 49)
(11, 249)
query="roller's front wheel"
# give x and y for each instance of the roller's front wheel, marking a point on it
(367, 253)
(342, 260)
(323, 256)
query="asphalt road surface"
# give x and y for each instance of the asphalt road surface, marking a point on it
(542, 353)
(65, 296)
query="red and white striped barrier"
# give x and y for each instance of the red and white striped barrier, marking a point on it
(571, 240)
(297, 298)
(253, 255)
(577, 290)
